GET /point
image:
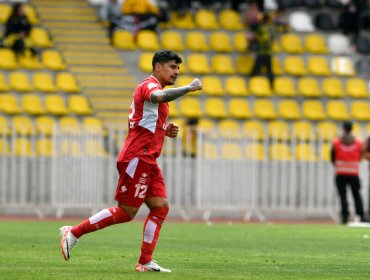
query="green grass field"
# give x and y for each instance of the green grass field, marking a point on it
(29, 250)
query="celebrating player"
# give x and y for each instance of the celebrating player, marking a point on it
(140, 178)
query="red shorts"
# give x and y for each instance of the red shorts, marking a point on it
(137, 181)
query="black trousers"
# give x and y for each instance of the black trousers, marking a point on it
(263, 60)
(342, 181)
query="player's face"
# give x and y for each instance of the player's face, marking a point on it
(168, 72)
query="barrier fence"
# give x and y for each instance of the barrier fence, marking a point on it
(209, 176)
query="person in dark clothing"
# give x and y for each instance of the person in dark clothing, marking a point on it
(264, 37)
(349, 19)
(17, 29)
(346, 157)
(366, 155)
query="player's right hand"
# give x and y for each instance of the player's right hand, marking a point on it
(195, 85)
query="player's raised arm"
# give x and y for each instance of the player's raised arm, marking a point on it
(170, 94)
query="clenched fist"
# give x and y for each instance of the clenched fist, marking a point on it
(172, 130)
(195, 85)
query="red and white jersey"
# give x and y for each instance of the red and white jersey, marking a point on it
(146, 123)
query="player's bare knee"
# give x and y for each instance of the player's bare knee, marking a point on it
(129, 210)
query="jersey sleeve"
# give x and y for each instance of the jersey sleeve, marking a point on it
(148, 88)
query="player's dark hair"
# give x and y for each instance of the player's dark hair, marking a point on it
(164, 56)
(347, 126)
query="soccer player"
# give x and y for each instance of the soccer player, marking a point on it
(140, 178)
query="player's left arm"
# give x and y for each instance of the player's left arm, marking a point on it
(172, 130)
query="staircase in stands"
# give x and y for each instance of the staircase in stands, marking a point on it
(99, 69)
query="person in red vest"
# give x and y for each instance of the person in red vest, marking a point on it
(346, 156)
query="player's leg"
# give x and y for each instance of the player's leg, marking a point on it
(157, 203)
(342, 191)
(356, 186)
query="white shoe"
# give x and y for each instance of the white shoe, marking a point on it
(151, 266)
(68, 241)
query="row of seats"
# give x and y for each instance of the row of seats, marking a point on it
(50, 59)
(53, 104)
(30, 11)
(45, 125)
(41, 81)
(283, 86)
(240, 108)
(294, 65)
(45, 147)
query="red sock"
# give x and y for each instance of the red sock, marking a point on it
(152, 227)
(104, 218)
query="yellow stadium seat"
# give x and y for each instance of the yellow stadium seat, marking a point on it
(284, 86)
(210, 151)
(309, 87)
(357, 130)
(360, 110)
(4, 126)
(9, 104)
(44, 147)
(147, 40)
(23, 125)
(30, 62)
(3, 83)
(318, 66)
(206, 19)
(264, 109)
(40, 38)
(95, 148)
(324, 152)
(305, 152)
(79, 105)
(302, 130)
(223, 64)
(332, 87)
(196, 41)
(31, 104)
(367, 129)
(231, 151)
(172, 40)
(343, 66)
(253, 130)
(5, 11)
(43, 82)
(19, 81)
(260, 86)
(8, 60)
(70, 125)
(124, 40)
(239, 108)
(145, 62)
(45, 125)
(277, 69)
(93, 125)
(31, 13)
(230, 20)
(198, 64)
(4, 147)
(315, 43)
(53, 60)
(244, 64)
(280, 151)
(291, 43)
(255, 151)
(289, 110)
(206, 125)
(240, 41)
(313, 110)
(229, 128)
(337, 110)
(236, 86)
(219, 41)
(357, 88)
(174, 111)
(278, 130)
(190, 107)
(294, 65)
(55, 105)
(22, 147)
(183, 21)
(184, 80)
(67, 82)
(215, 108)
(326, 131)
(212, 85)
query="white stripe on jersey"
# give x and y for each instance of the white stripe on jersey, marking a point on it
(150, 116)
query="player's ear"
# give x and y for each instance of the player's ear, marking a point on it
(157, 66)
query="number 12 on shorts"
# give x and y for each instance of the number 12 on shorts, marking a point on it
(140, 190)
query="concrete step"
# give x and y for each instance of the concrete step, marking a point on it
(95, 62)
(103, 70)
(79, 32)
(61, 4)
(111, 99)
(111, 106)
(71, 25)
(66, 10)
(68, 17)
(109, 92)
(107, 84)
(96, 78)
(86, 47)
(81, 39)
(113, 114)
(84, 54)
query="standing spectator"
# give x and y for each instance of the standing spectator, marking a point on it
(264, 38)
(366, 155)
(144, 13)
(17, 29)
(346, 157)
(349, 19)
(280, 20)
(111, 13)
(252, 17)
